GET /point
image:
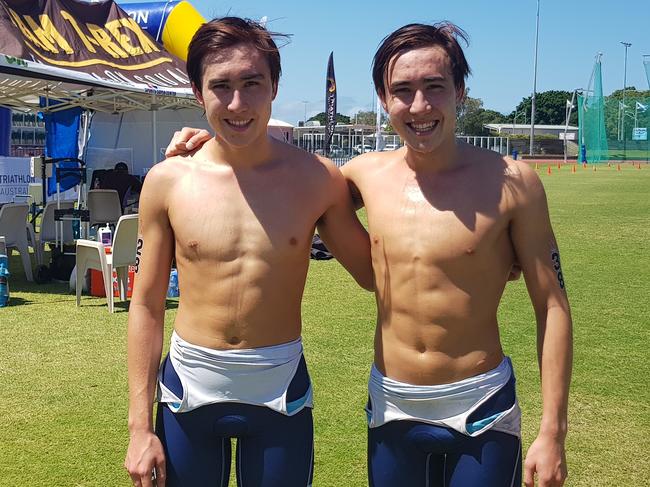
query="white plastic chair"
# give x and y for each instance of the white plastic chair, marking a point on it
(15, 229)
(104, 206)
(48, 228)
(91, 255)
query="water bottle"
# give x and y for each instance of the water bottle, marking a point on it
(106, 236)
(172, 289)
(4, 281)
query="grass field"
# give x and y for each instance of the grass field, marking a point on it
(63, 370)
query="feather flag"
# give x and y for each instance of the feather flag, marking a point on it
(330, 103)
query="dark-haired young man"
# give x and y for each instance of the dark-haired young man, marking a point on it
(447, 222)
(238, 216)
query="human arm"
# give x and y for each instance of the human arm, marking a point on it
(145, 330)
(343, 233)
(186, 140)
(538, 256)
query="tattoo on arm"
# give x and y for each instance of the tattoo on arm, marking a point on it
(138, 253)
(555, 257)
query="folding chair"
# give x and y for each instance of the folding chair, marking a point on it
(92, 255)
(104, 206)
(15, 229)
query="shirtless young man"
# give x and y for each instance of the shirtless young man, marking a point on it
(238, 216)
(447, 222)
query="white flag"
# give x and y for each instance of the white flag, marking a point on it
(641, 106)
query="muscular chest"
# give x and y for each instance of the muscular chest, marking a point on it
(225, 218)
(435, 223)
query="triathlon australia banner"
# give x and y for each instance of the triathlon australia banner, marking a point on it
(98, 39)
(330, 103)
(14, 178)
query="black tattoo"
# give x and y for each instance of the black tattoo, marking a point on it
(138, 253)
(555, 257)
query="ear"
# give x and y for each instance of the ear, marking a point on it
(461, 93)
(197, 94)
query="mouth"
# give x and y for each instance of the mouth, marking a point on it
(423, 128)
(239, 125)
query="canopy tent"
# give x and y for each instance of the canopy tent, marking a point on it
(60, 54)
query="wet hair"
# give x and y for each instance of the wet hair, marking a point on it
(225, 32)
(417, 36)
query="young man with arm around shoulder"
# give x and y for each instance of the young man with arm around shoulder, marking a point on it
(447, 222)
(238, 216)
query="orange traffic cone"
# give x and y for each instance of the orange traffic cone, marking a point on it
(618, 167)
(639, 166)
(573, 168)
(548, 170)
(594, 167)
(559, 166)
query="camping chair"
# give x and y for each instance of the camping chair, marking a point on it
(15, 229)
(104, 206)
(48, 231)
(92, 255)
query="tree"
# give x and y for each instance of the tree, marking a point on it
(322, 118)
(366, 117)
(471, 116)
(613, 111)
(550, 108)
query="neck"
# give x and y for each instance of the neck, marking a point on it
(442, 158)
(253, 154)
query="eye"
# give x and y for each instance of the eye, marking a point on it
(219, 86)
(252, 83)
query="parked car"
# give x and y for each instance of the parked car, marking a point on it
(360, 149)
(391, 147)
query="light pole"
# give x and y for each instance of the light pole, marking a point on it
(532, 105)
(304, 102)
(626, 45)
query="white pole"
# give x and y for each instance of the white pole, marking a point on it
(532, 105)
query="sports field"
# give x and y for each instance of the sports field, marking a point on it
(63, 369)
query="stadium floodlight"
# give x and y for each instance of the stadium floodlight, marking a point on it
(627, 46)
(532, 103)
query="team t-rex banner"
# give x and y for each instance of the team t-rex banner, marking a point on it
(99, 39)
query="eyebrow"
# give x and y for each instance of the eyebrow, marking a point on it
(246, 77)
(428, 79)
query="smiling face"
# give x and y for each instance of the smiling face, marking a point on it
(421, 98)
(236, 94)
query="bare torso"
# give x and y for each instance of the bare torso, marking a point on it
(441, 255)
(242, 240)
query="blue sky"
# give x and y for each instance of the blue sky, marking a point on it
(500, 54)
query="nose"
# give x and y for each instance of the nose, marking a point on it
(237, 103)
(420, 104)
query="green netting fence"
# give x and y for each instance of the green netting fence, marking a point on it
(613, 128)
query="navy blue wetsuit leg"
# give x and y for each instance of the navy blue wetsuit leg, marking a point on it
(414, 453)
(273, 450)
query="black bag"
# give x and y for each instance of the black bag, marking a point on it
(318, 249)
(62, 263)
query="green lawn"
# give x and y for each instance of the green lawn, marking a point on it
(63, 371)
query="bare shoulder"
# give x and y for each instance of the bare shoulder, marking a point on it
(368, 163)
(161, 180)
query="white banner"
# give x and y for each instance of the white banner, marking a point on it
(14, 178)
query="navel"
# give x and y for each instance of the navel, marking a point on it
(469, 251)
